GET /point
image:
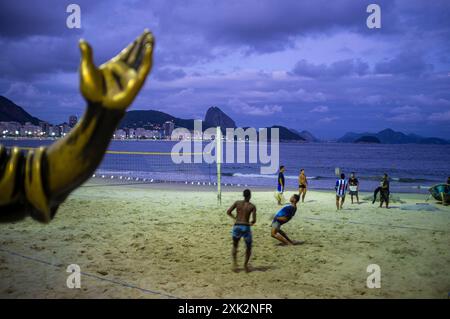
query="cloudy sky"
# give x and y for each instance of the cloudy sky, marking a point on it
(310, 65)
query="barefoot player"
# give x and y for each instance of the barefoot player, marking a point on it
(282, 217)
(302, 184)
(242, 225)
(280, 186)
(341, 189)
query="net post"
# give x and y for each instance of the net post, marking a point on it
(219, 162)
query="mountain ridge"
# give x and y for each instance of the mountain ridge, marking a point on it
(389, 136)
(308, 136)
(11, 112)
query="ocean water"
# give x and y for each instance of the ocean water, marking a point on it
(412, 168)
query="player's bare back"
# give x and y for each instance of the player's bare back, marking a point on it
(244, 210)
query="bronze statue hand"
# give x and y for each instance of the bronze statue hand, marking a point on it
(116, 83)
(38, 181)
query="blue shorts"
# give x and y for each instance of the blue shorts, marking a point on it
(243, 231)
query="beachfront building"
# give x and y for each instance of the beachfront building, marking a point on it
(147, 134)
(131, 133)
(30, 130)
(65, 128)
(54, 131)
(15, 129)
(196, 135)
(182, 135)
(45, 127)
(120, 134)
(10, 128)
(139, 132)
(73, 120)
(168, 128)
(154, 134)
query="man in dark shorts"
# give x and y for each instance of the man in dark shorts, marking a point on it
(375, 192)
(341, 189)
(282, 217)
(384, 191)
(242, 225)
(353, 184)
(302, 184)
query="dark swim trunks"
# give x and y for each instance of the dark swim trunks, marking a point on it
(301, 186)
(243, 231)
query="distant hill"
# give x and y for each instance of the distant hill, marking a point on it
(286, 134)
(389, 136)
(10, 112)
(215, 117)
(306, 135)
(135, 119)
(367, 139)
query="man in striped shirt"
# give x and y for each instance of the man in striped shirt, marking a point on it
(341, 189)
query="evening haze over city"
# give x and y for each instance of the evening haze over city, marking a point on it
(305, 65)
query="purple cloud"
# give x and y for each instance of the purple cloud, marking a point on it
(284, 59)
(336, 69)
(405, 63)
(168, 74)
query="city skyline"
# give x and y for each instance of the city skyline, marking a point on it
(305, 65)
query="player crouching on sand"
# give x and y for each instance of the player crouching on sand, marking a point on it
(241, 228)
(282, 217)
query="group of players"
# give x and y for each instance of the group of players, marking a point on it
(246, 211)
(246, 217)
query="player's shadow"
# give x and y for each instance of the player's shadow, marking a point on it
(296, 243)
(261, 268)
(255, 269)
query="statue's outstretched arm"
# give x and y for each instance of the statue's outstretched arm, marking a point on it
(50, 174)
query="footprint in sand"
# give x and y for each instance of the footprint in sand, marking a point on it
(10, 291)
(36, 247)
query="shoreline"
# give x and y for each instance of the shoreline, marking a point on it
(225, 188)
(403, 179)
(208, 141)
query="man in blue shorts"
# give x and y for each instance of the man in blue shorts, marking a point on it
(282, 217)
(280, 186)
(241, 226)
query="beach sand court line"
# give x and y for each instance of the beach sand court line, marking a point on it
(176, 242)
(378, 225)
(113, 281)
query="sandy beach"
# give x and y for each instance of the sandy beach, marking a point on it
(142, 241)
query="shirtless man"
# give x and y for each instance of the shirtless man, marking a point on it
(242, 225)
(302, 185)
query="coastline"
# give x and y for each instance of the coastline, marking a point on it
(229, 187)
(407, 176)
(284, 141)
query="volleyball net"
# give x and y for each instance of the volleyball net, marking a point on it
(129, 162)
(119, 166)
(154, 167)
